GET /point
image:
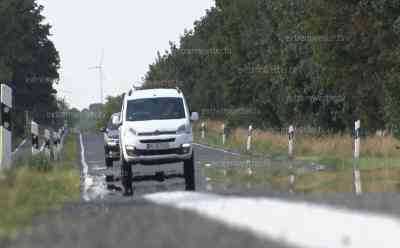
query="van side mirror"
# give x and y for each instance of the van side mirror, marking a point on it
(116, 121)
(194, 116)
(103, 130)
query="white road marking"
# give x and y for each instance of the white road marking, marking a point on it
(42, 147)
(296, 224)
(19, 146)
(216, 149)
(91, 190)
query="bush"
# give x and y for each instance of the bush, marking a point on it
(392, 104)
(241, 117)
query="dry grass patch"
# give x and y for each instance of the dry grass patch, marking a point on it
(309, 147)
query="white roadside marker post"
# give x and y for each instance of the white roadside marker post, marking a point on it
(357, 182)
(357, 173)
(249, 185)
(60, 146)
(5, 128)
(291, 141)
(223, 134)
(203, 130)
(47, 150)
(60, 135)
(292, 180)
(35, 138)
(249, 134)
(56, 144)
(357, 139)
(27, 123)
(249, 169)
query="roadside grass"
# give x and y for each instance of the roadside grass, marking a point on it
(36, 185)
(332, 149)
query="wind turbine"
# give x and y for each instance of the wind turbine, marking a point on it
(100, 68)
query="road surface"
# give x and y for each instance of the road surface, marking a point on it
(162, 215)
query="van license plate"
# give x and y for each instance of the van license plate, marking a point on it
(158, 146)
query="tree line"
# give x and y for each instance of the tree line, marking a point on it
(312, 63)
(29, 61)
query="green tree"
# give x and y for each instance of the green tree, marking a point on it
(113, 105)
(29, 62)
(310, 62)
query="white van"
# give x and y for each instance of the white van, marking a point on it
(155, 129)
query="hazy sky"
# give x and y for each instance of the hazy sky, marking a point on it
(130, 32)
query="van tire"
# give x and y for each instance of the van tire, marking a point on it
(126, 177)
(109, 162)
(189, 174)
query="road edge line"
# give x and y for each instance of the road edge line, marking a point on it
(217, 149)
(19, 146)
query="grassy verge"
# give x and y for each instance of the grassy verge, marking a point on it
(35, 185)
(336, 150)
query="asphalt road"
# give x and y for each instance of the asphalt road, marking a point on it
(385, 202)
(96, 189)
(106, 219)
(233, 216)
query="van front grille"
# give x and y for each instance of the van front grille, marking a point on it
(157, 152)
(158, 133)
(157, 141)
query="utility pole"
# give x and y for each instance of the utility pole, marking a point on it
(100, 69)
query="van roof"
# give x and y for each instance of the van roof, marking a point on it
(153, 93)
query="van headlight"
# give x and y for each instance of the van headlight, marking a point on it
(185, 148)
(184, 129)
(130, 148)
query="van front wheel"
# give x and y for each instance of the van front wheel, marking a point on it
(109, 162)
(189, 174)
(126, 177)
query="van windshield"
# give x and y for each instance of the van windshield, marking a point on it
(155, 109)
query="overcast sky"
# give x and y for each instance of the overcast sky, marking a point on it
(130, 32)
